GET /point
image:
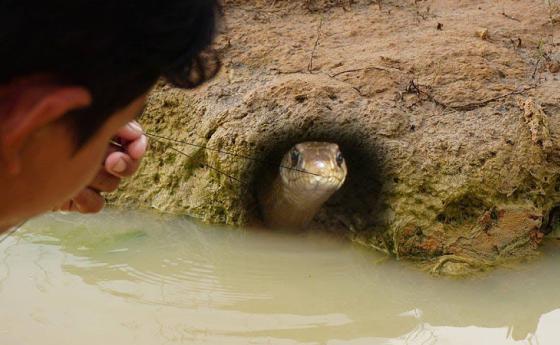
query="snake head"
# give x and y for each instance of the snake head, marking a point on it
(317, 166)
(310, 173)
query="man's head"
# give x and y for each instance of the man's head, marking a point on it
(72, 73)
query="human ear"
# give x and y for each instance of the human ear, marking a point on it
(29, 109)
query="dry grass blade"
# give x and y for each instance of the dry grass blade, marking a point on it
(159, 138)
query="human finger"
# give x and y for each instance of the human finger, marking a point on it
(137, 148)
(121, 165)
(66, 207)
(105, 182)
(130, 132)
(87, 201)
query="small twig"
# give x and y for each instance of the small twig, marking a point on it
(535, 70)
(516, 43)
(510, 17)
(472, 106)
(358, 91)
(310, 65)
(365, 69)
(279, 71)
(413, 88)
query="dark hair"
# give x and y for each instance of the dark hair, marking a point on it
(115, 48)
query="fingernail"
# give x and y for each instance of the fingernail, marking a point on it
(135, 126)
(120, 166)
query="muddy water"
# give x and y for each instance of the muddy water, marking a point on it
(141, 279)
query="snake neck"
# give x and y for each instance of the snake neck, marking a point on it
(287, 207)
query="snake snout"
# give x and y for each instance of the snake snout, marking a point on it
(320, 165)
(327, 183)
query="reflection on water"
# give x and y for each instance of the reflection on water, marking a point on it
(142, 279)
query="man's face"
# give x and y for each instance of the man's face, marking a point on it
(53, 171)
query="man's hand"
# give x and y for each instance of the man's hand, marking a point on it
(120, 162)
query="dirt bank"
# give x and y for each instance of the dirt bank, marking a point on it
(447, 112)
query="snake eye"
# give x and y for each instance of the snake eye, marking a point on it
(339, 158)
(294, 156)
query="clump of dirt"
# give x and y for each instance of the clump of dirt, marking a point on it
(451, 133)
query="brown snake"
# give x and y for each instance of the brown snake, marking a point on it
(308, 176)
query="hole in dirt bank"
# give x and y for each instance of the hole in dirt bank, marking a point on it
(552, 221)
(467, 208)
(357, 202)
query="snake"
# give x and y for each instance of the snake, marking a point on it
(308, 175)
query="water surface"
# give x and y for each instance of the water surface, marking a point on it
(138, 278)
